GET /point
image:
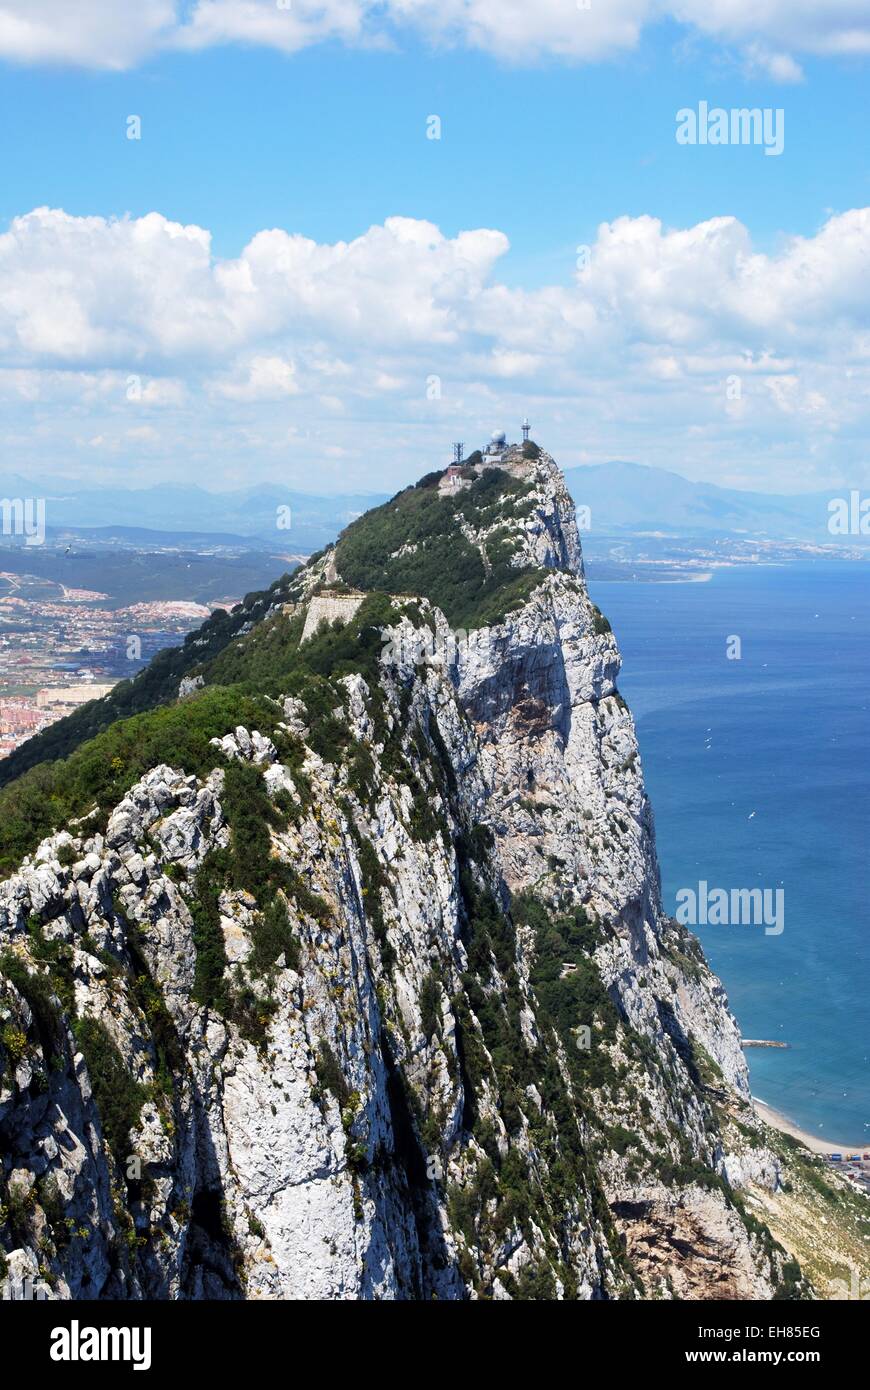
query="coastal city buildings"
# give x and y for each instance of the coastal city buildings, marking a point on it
(60, 647)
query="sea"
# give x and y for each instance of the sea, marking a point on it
(756, 757)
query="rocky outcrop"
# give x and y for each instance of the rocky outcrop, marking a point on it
(458, 1050)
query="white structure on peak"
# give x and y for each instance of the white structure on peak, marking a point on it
(496, 446)
(497, 453)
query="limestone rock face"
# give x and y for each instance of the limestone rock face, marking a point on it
(387, 1104)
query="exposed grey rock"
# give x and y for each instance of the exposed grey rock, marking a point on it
(333, 1155)
(188, 685)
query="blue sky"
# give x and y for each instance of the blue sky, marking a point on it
(329, 141)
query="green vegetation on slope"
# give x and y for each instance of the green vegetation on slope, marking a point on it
(818, 1218)
(440, 563)
(263, 664)
(117, 1095)
(155, 685)
(568, 987)
(445, 568)
(506, 1189)
(97, 774)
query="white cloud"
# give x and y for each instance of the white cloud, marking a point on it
(146, 291)
(266, 379)
(105, 34)
(629, 359)
(811, 26)
(161, 391)
(287, 26)
(97, 34)
(518, 31)
(143, 434)
(781, 67)
(88, 289)
(505, 363)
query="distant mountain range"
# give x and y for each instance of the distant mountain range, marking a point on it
(633, 498)
(624, 498)
(249, 513)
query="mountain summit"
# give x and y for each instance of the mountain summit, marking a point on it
(340, 970)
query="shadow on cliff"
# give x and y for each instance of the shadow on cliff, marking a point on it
(434, 1273)
(212, 1263)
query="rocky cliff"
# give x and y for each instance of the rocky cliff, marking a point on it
(346, 975)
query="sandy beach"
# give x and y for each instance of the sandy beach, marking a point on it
(812, 1141)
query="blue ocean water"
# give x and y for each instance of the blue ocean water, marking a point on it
(759, 774)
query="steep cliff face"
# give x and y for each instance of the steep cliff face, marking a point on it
(378, 1000)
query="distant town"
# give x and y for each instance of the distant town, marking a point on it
(61, 646)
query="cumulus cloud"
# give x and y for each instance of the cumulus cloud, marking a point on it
(103, 34)
(287, 26)
(265, 379)
(519, 32)
(781, 67)
(404, 333)
(812, 26)
(100, 34)
(88, 289)
(83, 290)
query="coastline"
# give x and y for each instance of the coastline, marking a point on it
(812, 1141)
